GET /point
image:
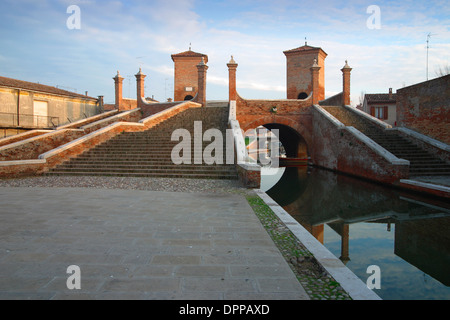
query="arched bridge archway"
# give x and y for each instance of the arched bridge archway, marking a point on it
(292, 134)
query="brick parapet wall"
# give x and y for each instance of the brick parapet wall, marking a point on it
(345, 149)
(31, 148)
(128, 116)
(151, 109)
(335, 100)
(167, 113)
(22, 136)
(14, 169)
(250, 177)
(425, 107)
(83, 122)
(263, 107)
(56, 147)
(62, 153)
(290, 112)
(358, 119)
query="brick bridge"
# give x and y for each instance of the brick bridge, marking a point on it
(135, 139)
(329, 132)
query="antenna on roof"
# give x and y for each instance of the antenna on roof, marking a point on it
(428, 46)
(306, 43)
(139, 61)
(65, 88)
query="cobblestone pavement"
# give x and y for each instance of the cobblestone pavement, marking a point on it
(206, 244)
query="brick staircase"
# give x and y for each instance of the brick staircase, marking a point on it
(422, 163)
(148, 153)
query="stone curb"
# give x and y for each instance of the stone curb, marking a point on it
(346, 278)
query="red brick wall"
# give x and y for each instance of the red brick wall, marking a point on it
(298, 73)
(186, 75)
(41, 144)
(22, 136)
(294, 113)
(340, 150)
(425, 107)
(154, 108)
(249, 178)
(128, 104)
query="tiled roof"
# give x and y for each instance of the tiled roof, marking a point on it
(190, 53)
(380, 97)
(302, 49)
(25, 85)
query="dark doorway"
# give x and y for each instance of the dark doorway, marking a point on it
(188, 97)
(294, 144)
(302, 95)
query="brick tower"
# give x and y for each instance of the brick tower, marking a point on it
(299, 80)
(186, 74)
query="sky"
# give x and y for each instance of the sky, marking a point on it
(385, 42)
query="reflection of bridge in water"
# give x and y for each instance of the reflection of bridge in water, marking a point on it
(316, 197)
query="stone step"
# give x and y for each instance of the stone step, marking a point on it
(149, 175)
(148, 153)
(139, 171)
(136, 163)
(103, 157)
(131, 147)
(148, 167)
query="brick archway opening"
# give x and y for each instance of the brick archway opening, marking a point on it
(294, 144)
(294, 135)
(302, 95)
(188, 97)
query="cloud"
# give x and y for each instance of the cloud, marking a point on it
(114, 33)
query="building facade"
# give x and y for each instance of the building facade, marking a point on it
(382, 106)
(27, 105)
(298, 73)
(186, 74)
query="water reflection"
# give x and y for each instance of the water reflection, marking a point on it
(371, 222)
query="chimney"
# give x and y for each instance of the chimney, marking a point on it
(346, 84)
(100, 103)
(201, 95)
(315, 82)
(390, 93)
(118, 81)
(232, 65)
(140, 88)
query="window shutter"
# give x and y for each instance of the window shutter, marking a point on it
(372, 111)
(385, 113)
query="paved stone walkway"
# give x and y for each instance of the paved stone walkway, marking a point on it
(134, 244)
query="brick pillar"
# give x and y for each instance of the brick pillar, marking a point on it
(315, 82)
(201, 95)
(232, 66)
(346, 84)
(118, 82)
(140, 87)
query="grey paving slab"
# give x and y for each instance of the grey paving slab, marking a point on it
(135, 244)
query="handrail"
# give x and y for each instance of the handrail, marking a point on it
(28, 120)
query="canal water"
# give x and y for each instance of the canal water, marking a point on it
(364, 224)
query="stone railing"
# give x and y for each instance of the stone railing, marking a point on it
(249, 173)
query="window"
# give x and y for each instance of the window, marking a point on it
(379, 112)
